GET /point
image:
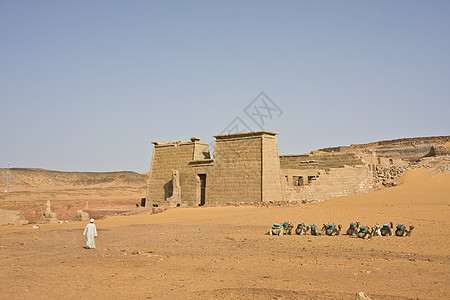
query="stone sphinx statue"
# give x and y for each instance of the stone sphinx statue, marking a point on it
(48, 215)
(81, 216)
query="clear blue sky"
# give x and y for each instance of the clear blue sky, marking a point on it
(86, 85)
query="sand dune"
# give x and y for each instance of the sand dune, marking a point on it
(222, 252)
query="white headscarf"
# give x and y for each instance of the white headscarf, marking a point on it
(91, 220)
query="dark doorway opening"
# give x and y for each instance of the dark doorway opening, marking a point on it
(298, 180)
(202, 188)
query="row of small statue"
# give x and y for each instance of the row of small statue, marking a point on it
(331, 229)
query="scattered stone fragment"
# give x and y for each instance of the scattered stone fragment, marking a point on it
(48, 215)
(81, 216)
(362, 296)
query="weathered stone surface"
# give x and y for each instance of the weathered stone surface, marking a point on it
(11, 217)
(409, 149)
(248, 169)
(319, 160)
(440, 150)
(48, 215)
(329, 183)
(362, 296)
(245, 168)
(81, 216)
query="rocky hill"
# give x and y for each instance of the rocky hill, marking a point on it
(39, 177)
(409, 149)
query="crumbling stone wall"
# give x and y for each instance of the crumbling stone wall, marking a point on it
(320, 160)
(318, 176)
(334, 183)
(11, 217)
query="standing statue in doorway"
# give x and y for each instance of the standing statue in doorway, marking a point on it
(176, 189)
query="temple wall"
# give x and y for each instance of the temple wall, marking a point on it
(271, 170)
(245, 168)
(168, 157)
(348, 180)
(236, 176)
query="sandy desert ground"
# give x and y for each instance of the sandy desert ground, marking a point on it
(223, 253)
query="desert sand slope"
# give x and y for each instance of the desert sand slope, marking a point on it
(210, 253)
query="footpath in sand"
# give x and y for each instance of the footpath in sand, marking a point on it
(223, 253)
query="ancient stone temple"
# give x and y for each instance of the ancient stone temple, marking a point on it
(246, 167)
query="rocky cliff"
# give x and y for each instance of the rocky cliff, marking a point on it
(409, 149)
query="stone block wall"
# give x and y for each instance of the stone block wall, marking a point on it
(197, 168)
(201, 150)
(320, 160)
(245, 168)
(168, 157)
(348, 180)
(236, 176)
(321, 175)
(271, 170)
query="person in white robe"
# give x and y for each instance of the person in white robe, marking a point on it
(90, 231)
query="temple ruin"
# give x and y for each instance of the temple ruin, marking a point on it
(246, 167)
